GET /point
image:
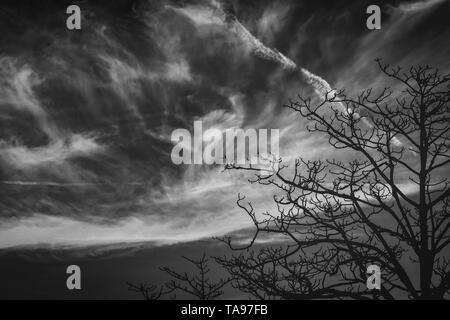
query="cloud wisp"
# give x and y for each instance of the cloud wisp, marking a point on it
(85, 122)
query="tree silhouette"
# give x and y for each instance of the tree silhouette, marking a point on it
(340, 217)
(198, 285)
(148, 291)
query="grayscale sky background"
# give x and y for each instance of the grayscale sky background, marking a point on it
(86, 118)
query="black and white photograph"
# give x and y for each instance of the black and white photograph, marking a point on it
(227, 150)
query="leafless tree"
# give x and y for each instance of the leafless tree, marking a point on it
(148, 291)
(339, 217)
(198, 285)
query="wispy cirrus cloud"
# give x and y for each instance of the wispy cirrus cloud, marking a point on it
(85, 151)
(415, 6)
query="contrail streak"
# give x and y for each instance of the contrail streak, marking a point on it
(320, 85)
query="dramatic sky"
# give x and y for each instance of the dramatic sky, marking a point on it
(86, 116)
